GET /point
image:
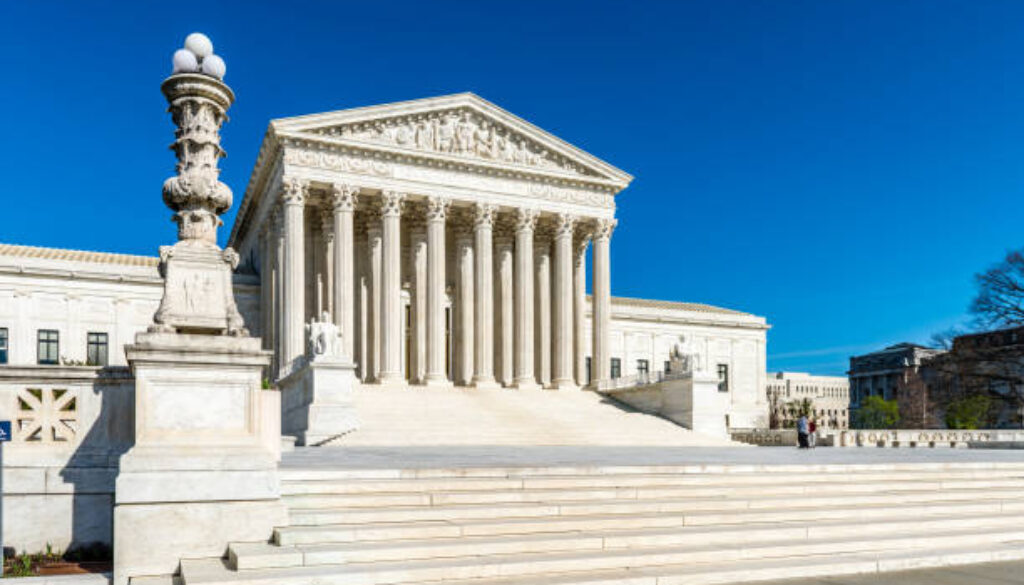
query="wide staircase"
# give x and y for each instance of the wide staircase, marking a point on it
(637, 525)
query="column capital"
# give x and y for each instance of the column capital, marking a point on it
(603, 228)
(504, 233)
(526, 219)
(564, 225)
(483, 215)
(391, 203)
(437, 208)
(294, 191)
(344, 196)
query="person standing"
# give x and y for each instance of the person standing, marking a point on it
(812, 434)
(801, 431)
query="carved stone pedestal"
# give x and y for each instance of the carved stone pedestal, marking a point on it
(198, 296)
(317, 401)
(701, 407)
(202, 472)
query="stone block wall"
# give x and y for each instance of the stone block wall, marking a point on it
(70, 426)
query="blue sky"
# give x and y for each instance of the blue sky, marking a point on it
(840, 167)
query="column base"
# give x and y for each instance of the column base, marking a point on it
(391, 381)
(566, 384)
(488, 383)
(526, 384)
(437, 381)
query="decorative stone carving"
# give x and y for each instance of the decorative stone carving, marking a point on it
(337, 162)
(526, 219)
(391, 203)
(46, 415)
(198, 295)
(461, 132)
(684, 357)
(323, 339)
(198, 104)
(483, 215)
(344, 197)
(437, 208)
(294, 191)
(603, 228)
(564, 224)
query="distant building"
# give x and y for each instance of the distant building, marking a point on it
(829, 396)
(883, 373)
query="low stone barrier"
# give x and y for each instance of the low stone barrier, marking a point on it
(928, 438)
(776, 437)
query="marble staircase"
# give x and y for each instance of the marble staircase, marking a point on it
(641, 525)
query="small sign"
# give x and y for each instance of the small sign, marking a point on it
(5, 431)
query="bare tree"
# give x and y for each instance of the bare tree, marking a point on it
(1000, 300)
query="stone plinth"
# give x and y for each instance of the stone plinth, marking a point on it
(317, 401)
(201, 473)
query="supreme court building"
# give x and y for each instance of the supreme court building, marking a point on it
(447, 241)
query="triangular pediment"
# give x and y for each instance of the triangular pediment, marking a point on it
(462, 126)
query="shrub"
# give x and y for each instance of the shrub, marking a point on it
(971, 412)
(876, 412)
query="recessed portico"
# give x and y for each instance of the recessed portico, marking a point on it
(444, 237)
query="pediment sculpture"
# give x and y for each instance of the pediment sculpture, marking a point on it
(461, 132)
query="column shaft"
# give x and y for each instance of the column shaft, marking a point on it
(437, 210)
(505, 311)
(326, 269)
(418, 261)
(344, 200)
(464, 307)
(525, 221)
(483, 314)
(601, 363)
(293, 304)
(373, 307)
(542, 310)
(563, 329)
(580, 309)
(391, 294)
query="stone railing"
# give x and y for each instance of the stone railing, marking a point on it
(927, 438)
(635, 380)
(778, 437)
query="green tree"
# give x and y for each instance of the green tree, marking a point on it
(876, 412)
(971, 412)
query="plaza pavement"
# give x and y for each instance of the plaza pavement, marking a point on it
(982, 574)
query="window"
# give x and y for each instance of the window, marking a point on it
(667, 366)
(3, 345)
(643, 367)
(48, 349)
(616, 368)
(96, 354)
(723, 378)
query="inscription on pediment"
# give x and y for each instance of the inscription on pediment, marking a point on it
(461, 132)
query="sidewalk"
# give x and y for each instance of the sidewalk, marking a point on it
(985, 574)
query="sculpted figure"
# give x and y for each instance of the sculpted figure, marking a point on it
(424, 135)
(484, 138)
(464, 131)
(324, 338)
(446, 134)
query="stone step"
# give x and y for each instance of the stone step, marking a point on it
(806, 471)
(393, 480)
(544, 563)
(692, 509)
(630, 493)
(258, 555)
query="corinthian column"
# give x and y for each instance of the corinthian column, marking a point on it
(602, 362)
(526, 219)
(343, 199)
(542, 307)
(563, 377)
(483, 223)
(374, 248)
(418, 262)
(278, 306)
(293, 197)
(464, 305)
(579, 287)
(391, 284)
(505, 312)
(437, 210)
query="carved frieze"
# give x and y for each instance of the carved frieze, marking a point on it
(458, 131)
